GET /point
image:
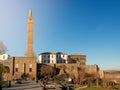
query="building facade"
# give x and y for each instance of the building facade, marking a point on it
(61, 57)
(52, 58)
(77, 58)
(24, 67)
(47, 57)
(4, 56)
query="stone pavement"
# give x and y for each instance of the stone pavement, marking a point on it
(29, 85)
(26, 85)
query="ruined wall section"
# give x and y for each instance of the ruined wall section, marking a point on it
(72, 69)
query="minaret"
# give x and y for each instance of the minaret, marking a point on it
(29, 52)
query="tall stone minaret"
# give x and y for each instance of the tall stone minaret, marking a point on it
(29, 52)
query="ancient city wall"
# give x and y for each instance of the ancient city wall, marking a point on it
(72, 69)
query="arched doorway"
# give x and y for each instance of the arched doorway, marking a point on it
(6, 73)
(7, 69)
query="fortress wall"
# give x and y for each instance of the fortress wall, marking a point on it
(73, 68)
(112, 76)
(91, 69)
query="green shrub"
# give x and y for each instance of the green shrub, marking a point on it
(2, 82)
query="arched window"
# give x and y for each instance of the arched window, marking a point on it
(7, 69)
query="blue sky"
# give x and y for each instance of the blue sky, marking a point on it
(90, 27)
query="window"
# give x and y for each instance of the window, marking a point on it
(30, 69)
(48, 56)
(3, 57)
(16, 69)
(77, 58)
(60, 61)
(44, 61)
(52, 56)
(48, 61)
(16, 65)
(30, 65)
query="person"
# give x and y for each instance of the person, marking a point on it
(0, 87)
(36, 80)
(9, 83)
(44, 88)
(67, 87)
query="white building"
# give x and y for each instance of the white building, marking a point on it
(4, 56)
(61, 57)
(49, 57)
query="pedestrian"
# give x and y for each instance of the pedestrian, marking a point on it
(67, 87)
(37, 81)
(0, 87)
(44, 88)
(9, 83)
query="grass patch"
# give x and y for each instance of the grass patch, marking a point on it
(2, 82)
(93, 88)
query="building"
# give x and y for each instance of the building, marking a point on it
(52, 58)
(29, 52)
(77, 58)
(47, 57)
(4, 56)
(23, 67)
(61, 57)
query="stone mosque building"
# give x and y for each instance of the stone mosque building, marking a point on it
(27, 66)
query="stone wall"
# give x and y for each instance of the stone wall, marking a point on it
(23, 64)
(91, 69)
(72, 69)
(109, 76)
(8, 74)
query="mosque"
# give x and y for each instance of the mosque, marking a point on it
(22, 66)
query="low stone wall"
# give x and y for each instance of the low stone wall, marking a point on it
(117, 76)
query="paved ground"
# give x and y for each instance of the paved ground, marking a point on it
(27, 85)
(24, 86)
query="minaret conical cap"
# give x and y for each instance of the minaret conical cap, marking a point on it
(30, 12)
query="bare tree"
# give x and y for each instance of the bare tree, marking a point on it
(3, 48)
(46, 70)
(1, 71)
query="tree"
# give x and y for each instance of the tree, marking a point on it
(46, 70)
(1, 71)
(91, 79)
(3, 48)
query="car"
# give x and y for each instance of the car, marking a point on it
(50, 86)
(18, 81)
